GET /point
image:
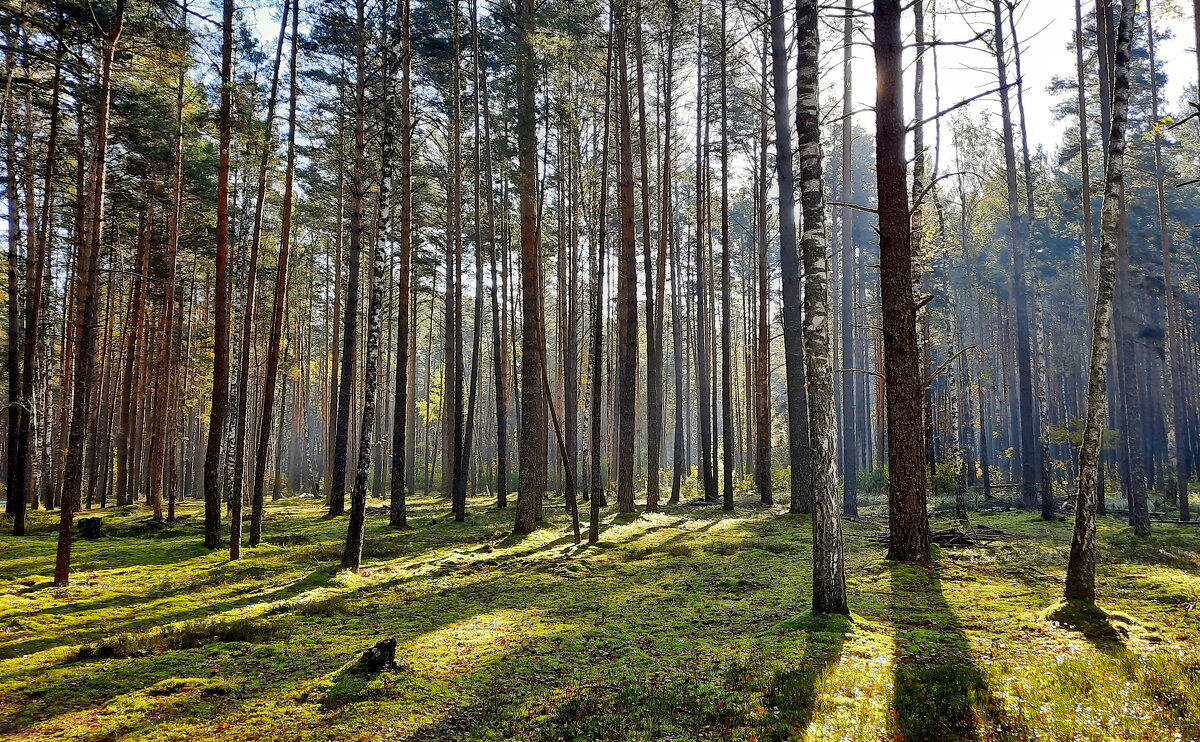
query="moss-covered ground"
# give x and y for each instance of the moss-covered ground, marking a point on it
(689, 624)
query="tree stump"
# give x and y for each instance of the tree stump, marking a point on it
(90, 528)
(379, 658)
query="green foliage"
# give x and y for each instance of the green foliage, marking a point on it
(873, 481)
(941, 484)
(1072, 433)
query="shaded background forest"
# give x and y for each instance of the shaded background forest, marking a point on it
(149, 409)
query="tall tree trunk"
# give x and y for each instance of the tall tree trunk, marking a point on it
(455, 460)
(654, 292)
(707, 474)
(13, 471)
(679, 457)
(1177, 482)
(850, 400)
(87, 301)
(763, 423)
(799, 450)
(1085, 180)
(163, 433)
(1040, 452)
(907, 517)
(917, 220)
(726, 299)
(398, 515)
(627, 340)
(1196, 40)
(1081, 567)
(532, 454)
(352, 554)
(126, 467)
(597, 402)
(1018, 229)
(20, 480)
(1129, 381)
(14, 233)
(348, 370)
(219, 400)
(460, 479)
(570, 356)
(829, 576)
(334, 388)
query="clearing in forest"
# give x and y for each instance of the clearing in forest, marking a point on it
(688, 624)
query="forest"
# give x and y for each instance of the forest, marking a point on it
(600, 370)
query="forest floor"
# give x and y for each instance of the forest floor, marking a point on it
(685, 625)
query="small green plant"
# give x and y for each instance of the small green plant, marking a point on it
(942, 482)
(873, 481)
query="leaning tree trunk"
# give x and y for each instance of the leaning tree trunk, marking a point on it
(87, 300)
(271, 373)
(242, 406)
(907, 518)
(1081, 568)
(829, 577)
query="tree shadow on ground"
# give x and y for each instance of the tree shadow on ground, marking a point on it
(98, 623)
(544, 587)
(791, 697)
(939, 691)
(738, 697)
(1105, 631)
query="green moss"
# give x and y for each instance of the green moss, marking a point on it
(185, 635)
(202, 686)
(688, 624)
